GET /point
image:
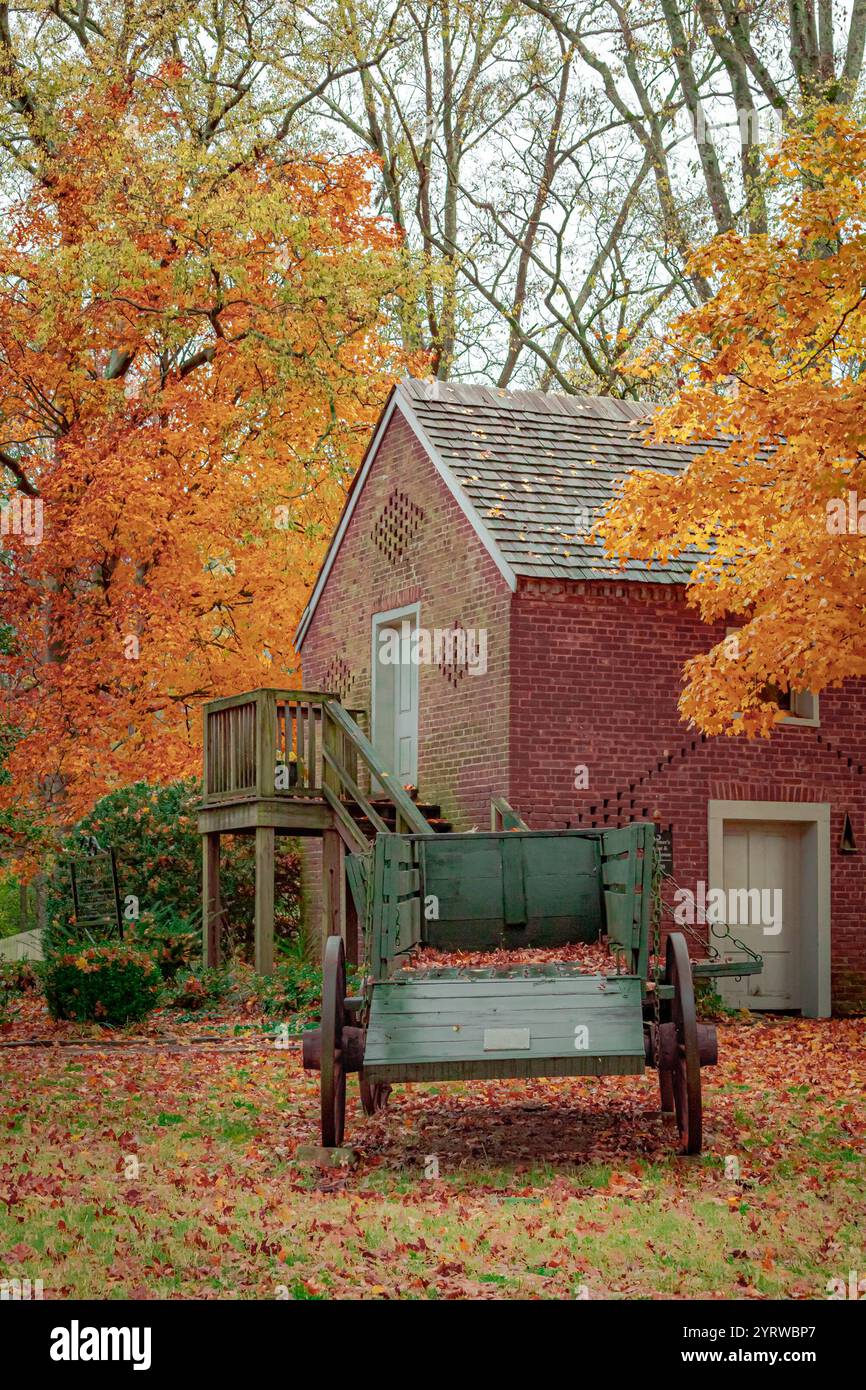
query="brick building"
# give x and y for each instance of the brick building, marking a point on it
(498, 654)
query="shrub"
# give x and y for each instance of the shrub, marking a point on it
(101, 984)
(294, 989)
(17, 977)
(709, 1004)
(172, 940)
(200, 989)
(153, 831)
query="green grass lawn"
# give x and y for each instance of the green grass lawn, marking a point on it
(164, 1174)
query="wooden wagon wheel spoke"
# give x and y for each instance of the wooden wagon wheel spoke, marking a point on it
(686, 1074)
(666, 1080)
(374, 1095)
(332, 1078)
(666, 1089)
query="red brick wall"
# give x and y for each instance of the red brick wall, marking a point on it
(463, 731)
(596, 674)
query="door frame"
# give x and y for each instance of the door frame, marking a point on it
(814, 883)
(386, 618)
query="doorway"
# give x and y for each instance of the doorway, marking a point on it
(772, 859)
(394, 714)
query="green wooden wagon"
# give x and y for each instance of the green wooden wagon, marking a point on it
(508, 889)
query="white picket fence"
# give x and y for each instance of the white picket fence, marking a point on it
(27, 945)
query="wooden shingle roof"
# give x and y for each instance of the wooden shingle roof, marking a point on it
(539, 468)
(531, 471)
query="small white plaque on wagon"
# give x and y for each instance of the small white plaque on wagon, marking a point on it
(506, 1039)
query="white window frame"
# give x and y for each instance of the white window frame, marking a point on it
(813, 718)
(804, 698)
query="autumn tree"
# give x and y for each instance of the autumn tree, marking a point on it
(772, 372)
(193, 346)
(551, 166)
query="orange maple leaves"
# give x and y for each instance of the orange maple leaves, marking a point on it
(192, 352)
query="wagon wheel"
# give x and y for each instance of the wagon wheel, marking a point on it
(685, 1077)
(374, 1095)
(332, 1076)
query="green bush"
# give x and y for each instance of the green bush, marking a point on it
(18, 977)
(154, 834)
(200, 989)
(101, 984)
(709, 1004)
(172, 940)
(293, 990)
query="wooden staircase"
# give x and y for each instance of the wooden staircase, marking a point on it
(387, 812)
(295, 762)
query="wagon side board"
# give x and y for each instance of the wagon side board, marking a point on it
(511, 890)
(452, 1029)
(627, 867)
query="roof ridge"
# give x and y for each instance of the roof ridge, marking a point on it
(473, 394)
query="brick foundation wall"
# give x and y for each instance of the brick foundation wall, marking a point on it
(596, 674)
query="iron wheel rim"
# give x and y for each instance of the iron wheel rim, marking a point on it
(332, 1088)
(686, 1073)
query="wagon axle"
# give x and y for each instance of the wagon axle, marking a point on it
(660, 1045)
(351, 1048)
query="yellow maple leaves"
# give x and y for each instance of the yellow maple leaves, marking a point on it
(771, 375)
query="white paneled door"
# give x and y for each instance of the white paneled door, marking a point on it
(395, 693)
(762, 863)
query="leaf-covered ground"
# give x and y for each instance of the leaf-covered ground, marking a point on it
(166, 1170)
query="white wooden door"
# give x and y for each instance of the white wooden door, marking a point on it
(395, 696)
(766, 856)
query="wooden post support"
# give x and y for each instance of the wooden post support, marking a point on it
(266, 743)
(210, 896)
(333, 889)
(264, 899)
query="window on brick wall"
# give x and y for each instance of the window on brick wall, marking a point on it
(800, 706)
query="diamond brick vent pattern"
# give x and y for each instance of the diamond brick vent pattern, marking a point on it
(339, 678)
(453, 660)
(397, 526)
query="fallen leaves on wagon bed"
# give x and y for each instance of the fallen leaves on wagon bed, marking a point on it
(593, 957)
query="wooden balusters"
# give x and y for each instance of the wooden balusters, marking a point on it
(229, 751)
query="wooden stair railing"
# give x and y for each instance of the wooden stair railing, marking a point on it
(504, 817)
(301, 745)
(345, 744)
